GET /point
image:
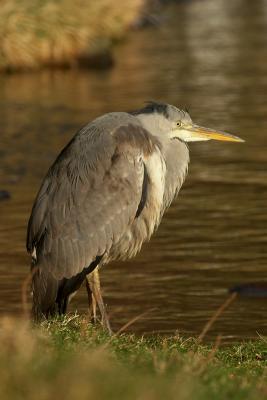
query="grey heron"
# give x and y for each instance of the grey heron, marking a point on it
(104, 196)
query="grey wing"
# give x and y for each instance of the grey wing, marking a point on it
(88, 199)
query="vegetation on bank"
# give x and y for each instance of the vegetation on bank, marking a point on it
(69, 358)
(36, 33)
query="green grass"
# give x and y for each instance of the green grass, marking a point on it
(69, 358)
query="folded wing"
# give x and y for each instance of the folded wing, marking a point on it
(88, 199)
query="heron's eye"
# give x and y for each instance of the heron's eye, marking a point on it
(178, 123)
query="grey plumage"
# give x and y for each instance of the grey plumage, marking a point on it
(103, 197)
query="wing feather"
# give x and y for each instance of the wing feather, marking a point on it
(89, 197)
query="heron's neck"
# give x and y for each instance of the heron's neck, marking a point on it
(150, 123)
(176, 155)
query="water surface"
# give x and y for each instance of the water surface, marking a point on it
(211, 57)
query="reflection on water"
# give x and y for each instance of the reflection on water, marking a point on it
(211, 57)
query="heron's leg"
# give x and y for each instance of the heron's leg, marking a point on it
(62, 305)
(91, 302)
(94, 282)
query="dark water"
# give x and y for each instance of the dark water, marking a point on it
(211, 57)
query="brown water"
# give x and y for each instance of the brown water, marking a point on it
(211, 57)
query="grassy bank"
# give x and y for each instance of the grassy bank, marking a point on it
(36, 33)
(70, 359)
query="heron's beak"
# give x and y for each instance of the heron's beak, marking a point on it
(201, 133)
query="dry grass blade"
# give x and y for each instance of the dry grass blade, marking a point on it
(216, 315)
(133, 320)
(215, 348)
(211, 355)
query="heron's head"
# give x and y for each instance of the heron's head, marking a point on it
(165, 120)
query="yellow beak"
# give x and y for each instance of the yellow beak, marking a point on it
(207, 134)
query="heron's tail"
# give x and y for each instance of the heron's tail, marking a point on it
(44, 289)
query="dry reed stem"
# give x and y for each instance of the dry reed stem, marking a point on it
(215, 316)
(210, 356)
(132, 321)
(125, 326)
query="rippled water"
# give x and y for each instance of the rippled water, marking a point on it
(211, 57)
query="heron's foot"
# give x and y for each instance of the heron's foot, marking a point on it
(105, 323)
(95, 299)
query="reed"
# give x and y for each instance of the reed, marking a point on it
(37, 33)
